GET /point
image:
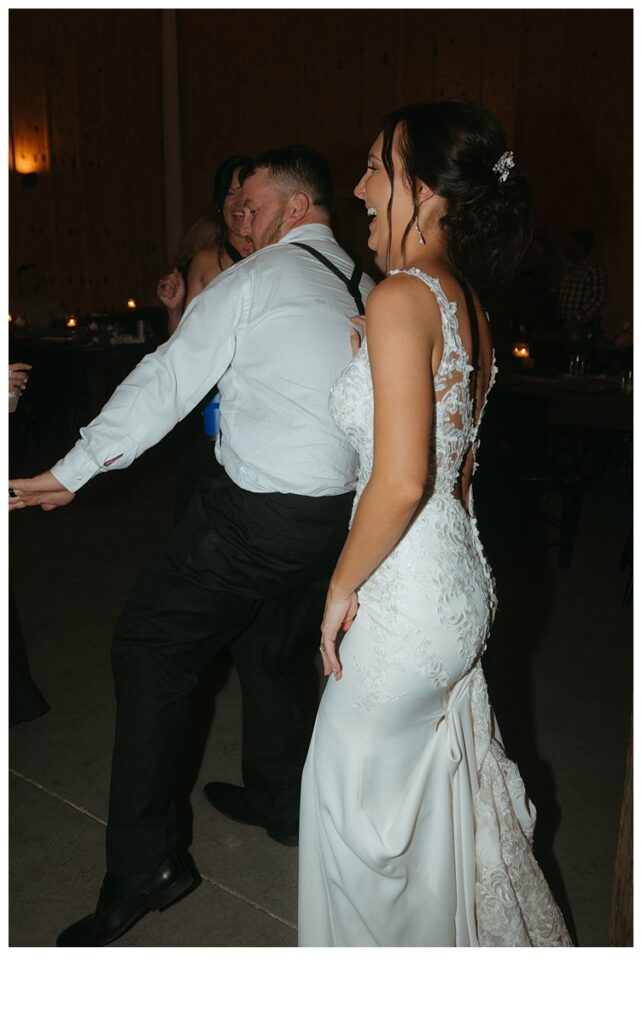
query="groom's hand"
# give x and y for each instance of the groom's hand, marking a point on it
(43, 490)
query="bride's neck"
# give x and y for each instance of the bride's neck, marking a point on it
(432, 251)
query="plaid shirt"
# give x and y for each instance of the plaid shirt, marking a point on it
(582, 292)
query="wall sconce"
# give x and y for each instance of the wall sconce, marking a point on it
(29, 154)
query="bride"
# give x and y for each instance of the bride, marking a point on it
(415, 827)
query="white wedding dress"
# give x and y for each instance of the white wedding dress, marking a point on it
(415, 828)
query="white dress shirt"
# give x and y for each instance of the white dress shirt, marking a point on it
(273, 331)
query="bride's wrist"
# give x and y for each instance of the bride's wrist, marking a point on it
(338, 591)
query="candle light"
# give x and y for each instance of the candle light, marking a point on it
(131, 304)
(72, 322)
(521, 350)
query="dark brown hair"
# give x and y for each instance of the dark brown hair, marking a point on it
(453, 146)
(298, 168)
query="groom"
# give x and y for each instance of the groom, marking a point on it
(248, 565)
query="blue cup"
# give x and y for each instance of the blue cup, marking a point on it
(211, 417)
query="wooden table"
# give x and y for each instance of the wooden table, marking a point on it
(69, 382)
(548, 432)
(588, 403)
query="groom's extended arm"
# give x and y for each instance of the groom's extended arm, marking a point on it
(161, 390)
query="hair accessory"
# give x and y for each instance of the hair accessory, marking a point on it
(422, 240)
(504, 166)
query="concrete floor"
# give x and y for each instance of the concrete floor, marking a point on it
(559, 668)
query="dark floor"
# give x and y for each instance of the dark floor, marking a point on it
(559, 668)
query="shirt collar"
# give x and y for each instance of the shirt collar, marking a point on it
(306, 231)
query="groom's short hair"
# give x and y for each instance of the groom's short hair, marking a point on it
(297, 169)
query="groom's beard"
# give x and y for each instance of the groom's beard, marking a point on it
(272, 231)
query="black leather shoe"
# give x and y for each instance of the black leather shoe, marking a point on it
(230, 801)
(124, 899)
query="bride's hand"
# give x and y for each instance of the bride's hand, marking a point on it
(340, 611)
(357, 333)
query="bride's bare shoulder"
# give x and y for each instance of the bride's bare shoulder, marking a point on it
(402, 301)
(399, 288)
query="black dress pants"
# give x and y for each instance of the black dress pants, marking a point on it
(243, 569)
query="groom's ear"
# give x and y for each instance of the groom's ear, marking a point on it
(298, 205)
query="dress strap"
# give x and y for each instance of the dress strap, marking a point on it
(233, 253)
(474, 330)
(448, 309)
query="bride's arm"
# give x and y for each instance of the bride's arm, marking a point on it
(403, 321)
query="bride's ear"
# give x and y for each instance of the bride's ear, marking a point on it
(423, 193)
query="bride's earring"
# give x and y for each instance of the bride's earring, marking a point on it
(422, 240)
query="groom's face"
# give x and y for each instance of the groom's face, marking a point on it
(265, 208)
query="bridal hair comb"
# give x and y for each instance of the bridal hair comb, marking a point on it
(504, 166)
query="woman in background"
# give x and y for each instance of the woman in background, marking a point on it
(211, 245)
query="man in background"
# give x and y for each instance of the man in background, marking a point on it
(33, 302)
(582, 294)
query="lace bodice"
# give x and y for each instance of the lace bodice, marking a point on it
(454, 430)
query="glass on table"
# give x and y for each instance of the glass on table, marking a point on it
(18, 377)
(626, 381)
(577, 365)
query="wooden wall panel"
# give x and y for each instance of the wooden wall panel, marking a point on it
(94, 222)
(381, 33)
(333, 67)
(574, 135)
(289, 60)
(416, 60)
(459, 58)
(501, 47)
(86, 89)
(599, 140)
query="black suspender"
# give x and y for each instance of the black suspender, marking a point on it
(474, 330)
(351, 283)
